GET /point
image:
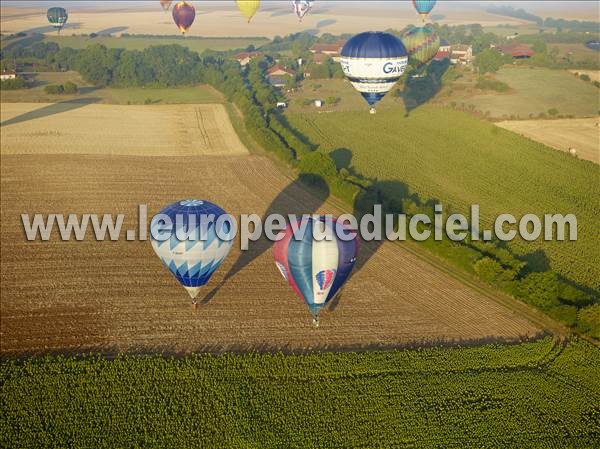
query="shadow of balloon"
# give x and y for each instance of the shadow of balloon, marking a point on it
(303, 196)
(419, 90)
(109, 31)
(325, 22)
(54, 108)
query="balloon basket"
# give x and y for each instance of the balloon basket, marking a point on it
(315, 322)
(372, 111)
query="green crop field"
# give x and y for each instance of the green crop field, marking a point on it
(439, 153)
(535, 91)
(533, 395)
(139, 43)
(129, 95)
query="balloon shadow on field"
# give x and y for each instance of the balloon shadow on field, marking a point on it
(389, 194)
(109, 31)
(421, 88)
(303, 196)
(325, 22)
(54, 108)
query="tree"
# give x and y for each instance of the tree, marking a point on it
(540, 289)
(489, 60)
(488, 270)
(70, 88)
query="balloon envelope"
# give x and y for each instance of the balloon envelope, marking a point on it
(248, 7)
(183, 16)
(301, 8)
(194, 259)
(57, 17)
(316, 268)
(422, 44)
(373, 62)
(424, 7)
(166, 4)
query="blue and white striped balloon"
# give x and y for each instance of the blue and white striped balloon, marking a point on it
(373, 62)
(196, 243)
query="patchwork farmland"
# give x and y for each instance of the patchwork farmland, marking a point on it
(55, 300)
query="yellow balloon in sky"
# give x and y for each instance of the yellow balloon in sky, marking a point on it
(248, 7)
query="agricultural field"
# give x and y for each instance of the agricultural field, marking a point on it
(141, 42)
(575, 52)
(341, 89)
(438, 153)
(593, 74)
(534, 91)
(89, 94)
(224, 19)
(583, 135)
(84, 128)
(394, 298)
(532, 395)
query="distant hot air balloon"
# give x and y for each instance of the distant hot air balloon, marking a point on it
(301, 8)
(194, 246)
(183, 16)
(166, 4)
(316, 268)
(57, 17)
(373, 62)
(422, 44)
(424, 7)
(248, 7)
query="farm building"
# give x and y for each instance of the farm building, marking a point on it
(331, 50)
(279, 70)
(441, 55)
(461, 54)
(8, 75)
(278, 81)
(320, 58)
(517, 51)
(245, 57)
(445, 46)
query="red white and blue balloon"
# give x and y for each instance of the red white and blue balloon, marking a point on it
(194, 245)
(316, 268)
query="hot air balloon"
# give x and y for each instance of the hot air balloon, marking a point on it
(57, 17)
(183, 16)
(248, 7)
(301, 8)
(166, 4)
(316, 268)
(373, 62)
(424, 7)
(422, 44)
(195, 244)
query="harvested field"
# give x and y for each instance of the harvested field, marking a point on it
(109, 296)
(593, 74)
(581, 134)
(78, 127)
(222, 19)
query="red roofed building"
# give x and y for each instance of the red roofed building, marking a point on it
(8, 75)
(278, 70)
(441, 55)
(332, 50)
(245, 57)
(320, 58)
(517, 51)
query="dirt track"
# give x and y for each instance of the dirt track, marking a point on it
(117, 296)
